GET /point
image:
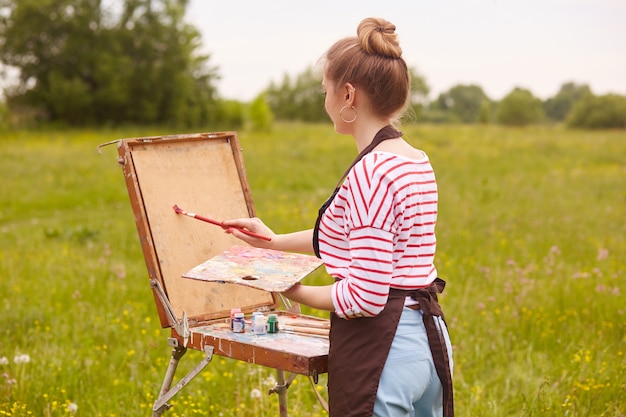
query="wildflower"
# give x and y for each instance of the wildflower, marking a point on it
(4, 360)
(9, 380)
(21, 358)
(602, 254)
(255, 393)
(72, 408)
(269, 381)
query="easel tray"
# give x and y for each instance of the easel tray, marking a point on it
(291, 350)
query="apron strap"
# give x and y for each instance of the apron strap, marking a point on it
(387, 132)
(429, 305)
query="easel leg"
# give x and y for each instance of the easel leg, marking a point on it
(281, 389)
(160, 405)
(282, 394)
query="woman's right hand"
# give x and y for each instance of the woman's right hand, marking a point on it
(254, 225)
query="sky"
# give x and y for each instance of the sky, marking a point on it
(496, 44)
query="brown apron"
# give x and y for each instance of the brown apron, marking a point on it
(359, 350)
(359, 347)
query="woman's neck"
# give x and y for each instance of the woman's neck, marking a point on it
(364, 133)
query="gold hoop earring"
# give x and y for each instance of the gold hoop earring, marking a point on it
(341, 114)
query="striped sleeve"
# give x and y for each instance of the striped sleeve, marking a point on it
(364, 293)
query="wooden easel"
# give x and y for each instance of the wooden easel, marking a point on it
(204, 171)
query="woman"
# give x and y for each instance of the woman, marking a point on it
(376, 236)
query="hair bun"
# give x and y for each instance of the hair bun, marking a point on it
(378, 37)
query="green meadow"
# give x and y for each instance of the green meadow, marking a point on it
(531, 240)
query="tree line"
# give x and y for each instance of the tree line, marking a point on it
(575, 105)
(137, 62)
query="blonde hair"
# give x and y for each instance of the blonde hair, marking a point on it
(372, 61)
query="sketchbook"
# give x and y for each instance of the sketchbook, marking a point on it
(264, 269)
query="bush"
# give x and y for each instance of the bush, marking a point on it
(260, 116)
(463, 101)
(486, 110)
(231, 114)
(599, 112)
(557, 108)
(519, 108)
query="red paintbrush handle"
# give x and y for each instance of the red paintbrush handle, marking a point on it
(206, 219)
(224, 226)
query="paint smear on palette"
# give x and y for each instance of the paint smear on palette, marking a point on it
(264, 269)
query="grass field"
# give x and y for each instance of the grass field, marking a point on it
(531, 238)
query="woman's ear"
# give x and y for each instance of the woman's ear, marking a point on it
(349, 93)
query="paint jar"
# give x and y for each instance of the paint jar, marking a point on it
(233, 311)
(239, 324)
(260, 325)
(254, 316)
(272, 323)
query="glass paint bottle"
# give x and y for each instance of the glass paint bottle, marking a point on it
(239, 324)
(233, 311)
(260, 325)
(254, 317)
(272, 323)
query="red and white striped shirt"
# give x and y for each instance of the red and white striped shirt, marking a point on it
(379, 232)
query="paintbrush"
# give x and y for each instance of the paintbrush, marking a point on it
(305, 331)
(302, 322)
(178, 210)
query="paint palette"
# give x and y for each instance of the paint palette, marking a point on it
(264, 269)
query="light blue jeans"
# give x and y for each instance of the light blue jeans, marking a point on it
(409, 385)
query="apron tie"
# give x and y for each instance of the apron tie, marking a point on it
(429, 304)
